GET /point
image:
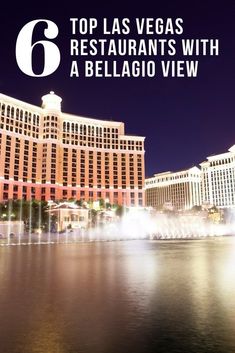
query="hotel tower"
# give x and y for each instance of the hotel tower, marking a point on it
(218, 179)
(46, 154)
(181, 190)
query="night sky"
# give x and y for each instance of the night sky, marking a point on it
(184, 119)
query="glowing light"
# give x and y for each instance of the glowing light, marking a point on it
(136, 223)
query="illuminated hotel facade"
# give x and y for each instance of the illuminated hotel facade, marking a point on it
(46, 154)
(218, 179)
(180, 190)
(212, 185)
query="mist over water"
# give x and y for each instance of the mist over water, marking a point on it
(139, 224)
(134, 224)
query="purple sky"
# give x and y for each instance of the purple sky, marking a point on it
(184, 119)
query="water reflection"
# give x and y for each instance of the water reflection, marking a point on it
(115, 297)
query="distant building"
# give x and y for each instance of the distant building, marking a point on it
(181, 190)
(106, 216)
(46, 154)
(69, 215)
(218, 179)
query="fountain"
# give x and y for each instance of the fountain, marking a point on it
(39, 222)
(30, 224)
(21, 226)
(134, 224)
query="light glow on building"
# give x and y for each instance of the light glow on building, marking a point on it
(181, 190)
(46, 154)
(218, 179)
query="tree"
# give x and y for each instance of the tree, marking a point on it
(79, 202)
(102, 203)
(196, 208)
(120, 210)
(213, 209)
(108, 205)
(93, 216)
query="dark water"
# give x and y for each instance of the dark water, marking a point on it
(116, 297)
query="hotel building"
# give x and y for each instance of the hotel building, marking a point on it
(218, 179)
(181, 190)
(46, 154)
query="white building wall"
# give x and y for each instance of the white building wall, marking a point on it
(182, 189)
(218, 179)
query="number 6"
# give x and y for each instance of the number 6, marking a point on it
(24, 48)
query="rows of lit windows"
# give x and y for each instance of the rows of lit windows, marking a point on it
(94, 171)
(98, 176)
(172, 178)
(131, 145)
(221, 162)
(28, 173)
(179, 194)
(27, 123)
(17, 159)
(219, 180)
(19, 114)
(12, 159)
(44, 162)
(25, 160)
(53, 163)
(29, 192)
(16, 189)
(74, 168)
(91, 136)
(19, 127)
(123, 164)
(106, 172)
(84, 129)
(82, 168)
(19, 121)
(50, 127)
(115, 172)
(65, 167)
